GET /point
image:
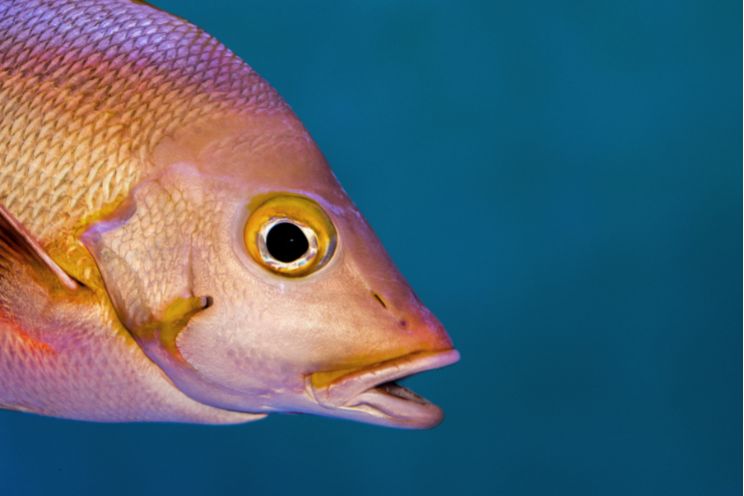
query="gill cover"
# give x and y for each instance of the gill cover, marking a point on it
(145, 255)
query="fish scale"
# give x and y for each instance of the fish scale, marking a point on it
(87, 89)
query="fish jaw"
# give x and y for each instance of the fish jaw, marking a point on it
(370, 394)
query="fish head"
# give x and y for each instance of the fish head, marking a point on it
(243, 269)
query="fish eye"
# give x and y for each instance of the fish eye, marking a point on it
(287, 242)
(290, 235)
(286, 245)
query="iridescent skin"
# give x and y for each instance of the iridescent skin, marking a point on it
(131, 147)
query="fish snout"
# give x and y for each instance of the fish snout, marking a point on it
(407, 340)
(413, 321)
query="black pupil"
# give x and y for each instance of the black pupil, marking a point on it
(286, 242)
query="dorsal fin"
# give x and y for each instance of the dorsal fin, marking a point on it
(18, 246)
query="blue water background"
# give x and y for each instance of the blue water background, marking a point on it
(561, 183)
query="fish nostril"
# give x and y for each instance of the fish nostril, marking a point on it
(379, 300)
(403, 323)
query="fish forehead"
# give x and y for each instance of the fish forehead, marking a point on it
(89, 88)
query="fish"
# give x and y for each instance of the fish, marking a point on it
(174, 247)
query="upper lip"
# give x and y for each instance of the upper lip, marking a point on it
(371, 392)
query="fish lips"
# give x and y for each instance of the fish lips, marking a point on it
(370, 394)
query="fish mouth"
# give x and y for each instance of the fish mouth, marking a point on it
(371, 394)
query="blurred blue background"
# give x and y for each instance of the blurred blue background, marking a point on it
(561, 183)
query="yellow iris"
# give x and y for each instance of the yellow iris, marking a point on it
(311, 228)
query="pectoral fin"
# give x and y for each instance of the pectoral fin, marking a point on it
(19, 250)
